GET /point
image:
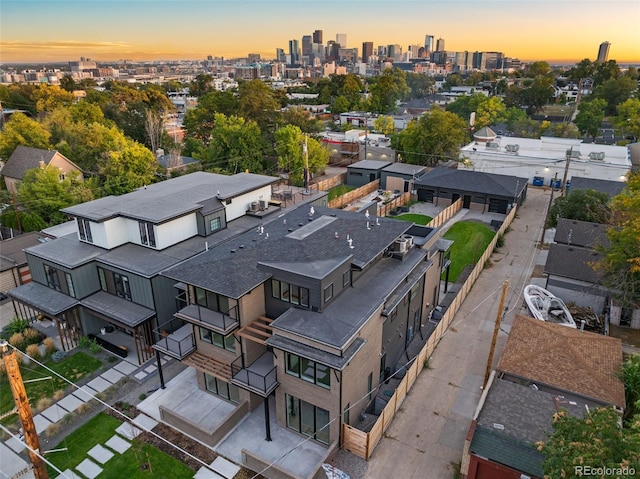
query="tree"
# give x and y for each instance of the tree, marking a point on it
(128, 168)
(289, 148)
(489, 112)
(21, 130)
(616, 91)
(236, 145)
(199, 122)
(201, 85)
(565, 130)
(388, 88)
(583, 205)
(628, 119)
(154, 127)
(434, 137)
(301, 118)
(590, 116)
(351, 89)
(538, 69)
(340, 105)
(538, 93)
(621, 263)
(596, 441)
(420, 85)
(384, 124)
(49, 98)
(605, 71)
(258, 103)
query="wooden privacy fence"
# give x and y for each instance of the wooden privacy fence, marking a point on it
(401, 200)
(363, 443)
(446, 214)
(343, 200)
(326, 185)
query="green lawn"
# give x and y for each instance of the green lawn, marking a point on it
(339, 191)
(74, 368)
(470, 241)
(128, 465)
(414, 218)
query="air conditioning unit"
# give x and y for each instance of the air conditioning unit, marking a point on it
(263, 205)
(596, 155)
(254, 206)
(401, 245)
(492, 145)
(573, 153)
(408, 239)
(512, 148)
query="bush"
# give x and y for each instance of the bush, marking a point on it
(31, 336)
(49, 345)
(142, 397)
(112, 359)
(16, 340)
(52, 429)
(94, 347)
(59, 394)
(17, 325)
(500, 241)
(67, 418)
(44, 403)
(33, 351)
(84, 342)
(58, 356)
(84, 407)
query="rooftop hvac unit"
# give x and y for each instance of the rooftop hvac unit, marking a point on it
(573, 153)
(401, 245)
(492, 145)
(408, 239)
(254, 206)
(512, 148)
(263, 205)
(596, 155)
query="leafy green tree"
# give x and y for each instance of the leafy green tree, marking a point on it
(513, 115)
(473, 78)
(420, 85)
(128, 168)
(538, 93)
(258, 103)
(18, 96)
(628, 119)
(22, 130)
(489, 112)
(630, 376)
(51, 97)
(565, 130)
(384, 124)
(340, 105)
(583, 205)
(434, 137)
(605, 71)
(584, 69)
(388, 88)
(590, 116)
(201, 85)
(236, 145)
(199, 122)
(538, 69)
(452, 80)
(301, 118)
(351, 89)
(289, 147)
(68, 83)
(616, 91)
(597, 440)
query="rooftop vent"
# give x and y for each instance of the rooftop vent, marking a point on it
(596, 155)
(492, 145)
(512, 148)
(573, 153)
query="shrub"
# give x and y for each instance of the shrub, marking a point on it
(49, 345)
(59, 394)
(33, 351)
(3, 369)
(94, 347)
(67, 418)
(142, 397)
(17, 325)
(16, 340)
(52, 429)
(500, 241)
(44, 403)
(19, 357)
(84, 407)
(58, 356)
(84, 342)
(31, 335)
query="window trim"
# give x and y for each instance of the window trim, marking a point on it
(283, 291)
(299, 370)
(53, 279)
(219, 222)
(328, 293)
(147, 233)
(218, 340)
(346, 278)
(84, 230)
(70, 286)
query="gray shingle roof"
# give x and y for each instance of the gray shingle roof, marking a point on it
(404, 168)
(581, 233)
(43, 298)
(473, 182)
(612, 188)
(123, 311)
(13, 249)
(573, 262)
(170, 161)
(25, 158)
(168, 199)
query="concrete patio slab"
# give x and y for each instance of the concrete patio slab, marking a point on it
(99, 384)
(85, 393)
(151, 369)
(225, 468)
(117, 444)
(41, 423)
(112, 375)
(100, 453)
(125, 367)
(54, 413)
(70, 402)
(89, 469)
(204, 473)
(15, 444)
(140, 376)
(69, 474)
(145, 422)
(13, 465)
(128, 430)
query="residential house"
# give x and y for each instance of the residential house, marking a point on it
(610, 187)
(14, 269)
(25, 158)
(400, 176)
(105, 276)
(314, 309)
(544, 368)
(485, 192)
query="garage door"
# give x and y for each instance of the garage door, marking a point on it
(425, 195)
(498, 206)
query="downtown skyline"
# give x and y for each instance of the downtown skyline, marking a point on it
(561, 31)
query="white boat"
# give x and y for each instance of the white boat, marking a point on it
(545, 306)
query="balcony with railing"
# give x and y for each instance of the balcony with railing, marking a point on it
(259, 377)
(177, 344)
(219, 322)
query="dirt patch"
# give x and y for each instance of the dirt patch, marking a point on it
(538, 271)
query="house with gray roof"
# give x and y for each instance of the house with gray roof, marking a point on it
(485, 192)
(25, 158)
(610, 187)
(104, 277)
(365, 171)
(400, 176)
(313, 310)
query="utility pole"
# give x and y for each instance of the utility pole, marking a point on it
(24, 410)
(566, 172)
(505, 288)
(305, 150)
(546, 216)
(366, 133)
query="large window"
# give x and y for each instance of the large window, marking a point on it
(53, 280)
(308, 370)
(307, 419)
(215, 224)
(223, 342)
(290, 293)
(212, 301)
(84, 229)
(147, 233)
(72, 290)
(121, 283)
(221, 388)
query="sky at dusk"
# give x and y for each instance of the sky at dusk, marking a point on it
(558, 31)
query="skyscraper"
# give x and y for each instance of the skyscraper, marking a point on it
(428, 44)
(367, 51)
(341, 38)
(294, 52)
(603, 52)
(306, 45)
(440, 45)
(317, 37)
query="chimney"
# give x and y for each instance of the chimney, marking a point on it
(42, 165)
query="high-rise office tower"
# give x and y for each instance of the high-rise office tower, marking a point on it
(306, 45)
(428, 43)
(294, 52)
(341, 38)
(280, 55)
(317, 37)
(440, 45)
(382, 51)
(367, 51)
(603, 52)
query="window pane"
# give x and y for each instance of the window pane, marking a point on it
(346, 413)
(230, 343)
(205, 335)
(223, 389)
(284, 291)
(201, 297)
(323, 375)
(307, 369)
(293, 365)
(322, 420)
(295, 294)
(212, 301)
(346, 278)
(328, 292)
(275, 288)
(143, 232)
(72, 291)
(307, 417)
(223, 304)
(293, 412)
(103, 279)
(215, 224)
(152, 235)
(218, 339)
(210, 382)
(87, 230)
(304, 297)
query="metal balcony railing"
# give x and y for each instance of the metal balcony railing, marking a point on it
(259, 377)
(220, 322)
(178, 344)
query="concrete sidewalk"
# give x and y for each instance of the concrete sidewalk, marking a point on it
(426, 437)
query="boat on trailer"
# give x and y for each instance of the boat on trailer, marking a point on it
(545, 306)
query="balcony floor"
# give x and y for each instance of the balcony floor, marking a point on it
(171, 344)
(253, 374)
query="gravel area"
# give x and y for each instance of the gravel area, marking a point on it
(351, 464)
